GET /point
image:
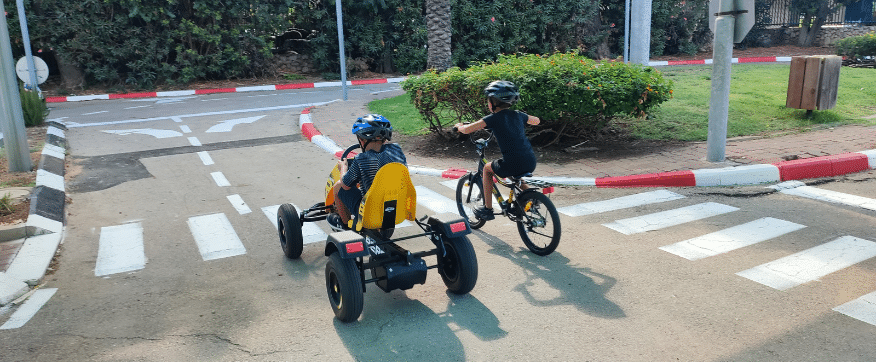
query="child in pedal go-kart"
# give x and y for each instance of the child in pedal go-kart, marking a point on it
(373, 132)
(508, 127)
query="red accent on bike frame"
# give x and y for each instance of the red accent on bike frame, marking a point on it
(353, 248)
(675, 178)
(309, 130)
(457, 227)
(454, 173)
(547, 190)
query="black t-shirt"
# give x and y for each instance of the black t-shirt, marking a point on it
(508, 127)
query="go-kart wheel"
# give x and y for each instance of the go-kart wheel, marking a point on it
(469, 195)
(458, 266)
(343, 283)
(289, 228)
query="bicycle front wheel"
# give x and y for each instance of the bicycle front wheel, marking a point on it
(539, 224)
(469, 195)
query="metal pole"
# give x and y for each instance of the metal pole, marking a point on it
(14, 135)
(719, 103)
(341, 46)
(25, 38)
(627, 32)
(640, 32)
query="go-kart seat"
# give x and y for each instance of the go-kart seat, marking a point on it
(390, 200)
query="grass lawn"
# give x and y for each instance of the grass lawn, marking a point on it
(757, 104)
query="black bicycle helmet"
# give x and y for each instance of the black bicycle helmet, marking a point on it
(503, 90)
(372, 126)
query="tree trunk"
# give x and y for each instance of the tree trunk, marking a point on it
(438, 27)
(809, 29)
(72, 76)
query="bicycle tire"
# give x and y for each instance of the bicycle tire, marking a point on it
(466, 200)
(539, 224)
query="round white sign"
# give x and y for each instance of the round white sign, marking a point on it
(42, 70)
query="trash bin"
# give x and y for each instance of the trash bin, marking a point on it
(813, 82)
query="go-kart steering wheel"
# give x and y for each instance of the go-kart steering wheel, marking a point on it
(348, 150)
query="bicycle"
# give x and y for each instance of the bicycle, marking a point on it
(536, 216)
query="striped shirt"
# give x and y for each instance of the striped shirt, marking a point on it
(364, 167)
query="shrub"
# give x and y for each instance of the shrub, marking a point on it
(857, 47)
(573, 95)
(34, 108)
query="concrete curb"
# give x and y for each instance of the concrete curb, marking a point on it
(45, 222)
(815, 167)
(350, 82)
(219, 90)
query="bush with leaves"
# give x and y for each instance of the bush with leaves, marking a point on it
(573, 95)
(857, 47)
(33, 107)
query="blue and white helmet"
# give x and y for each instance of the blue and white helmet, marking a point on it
(372, 126)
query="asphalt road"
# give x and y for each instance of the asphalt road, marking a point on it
(137, 278)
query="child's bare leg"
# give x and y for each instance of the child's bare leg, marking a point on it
(340, 208)
(488, 185)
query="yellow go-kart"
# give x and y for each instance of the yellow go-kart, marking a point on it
(368, 244)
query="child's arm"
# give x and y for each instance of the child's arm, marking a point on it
(471, 127)
(533, 120)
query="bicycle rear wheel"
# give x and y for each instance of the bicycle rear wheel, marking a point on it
(539, 224)
(469, 195)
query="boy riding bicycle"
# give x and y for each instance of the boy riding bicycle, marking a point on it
(508, 127)
(373, 131)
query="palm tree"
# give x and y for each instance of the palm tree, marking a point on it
(438, 28)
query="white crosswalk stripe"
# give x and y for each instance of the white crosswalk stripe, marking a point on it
(29, 308)
(732, 238)
(215, 237)
(120, 249)
(811, 264)
(862, 309)
(826, 195)
(669, 218)
(619, 203)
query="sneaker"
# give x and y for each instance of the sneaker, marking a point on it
(484, 213)
(335, 222)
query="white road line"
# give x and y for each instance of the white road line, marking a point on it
(205, 158)
(811, 264)
(435, 201)
(29, 308)
(157, 133)
(220, 179)
(215, 237)
(732, 238)
(88, 114)
(309, 231)
(120, 249)
(238, 204)
(135, 107)
(185, 129)
(669, 218)
(194, 141)
(226, 126)
(176, 119)
(863, 308)
(832, 196)
(618, 203)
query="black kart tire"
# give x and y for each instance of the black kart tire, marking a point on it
(458, 267)
(540, 224)
(343, 283)
(289, 229)
(469, 194)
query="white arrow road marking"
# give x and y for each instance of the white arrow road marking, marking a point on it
(29, 308)
(226, 126)
(215, 237)
(157, 133)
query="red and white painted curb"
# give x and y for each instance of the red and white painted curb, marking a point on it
(351, 82)
(219, 90)
(825, 166)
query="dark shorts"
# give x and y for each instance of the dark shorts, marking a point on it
(351, 199)
(504, 168)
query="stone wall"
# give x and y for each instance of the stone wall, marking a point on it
(293, 63)
(826, 37)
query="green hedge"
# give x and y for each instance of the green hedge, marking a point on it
(33, 107)
(573, 95)
(857, 47)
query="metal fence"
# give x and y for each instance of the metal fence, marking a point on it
(860, 12)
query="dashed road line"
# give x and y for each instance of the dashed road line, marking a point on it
(669, 218)
(120, 249)
(238, 204)
(215, 237)
(220, 179)
(205, 158)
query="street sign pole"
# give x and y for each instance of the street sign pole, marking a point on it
(341, 45)
(25, 38)
(14, 135)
